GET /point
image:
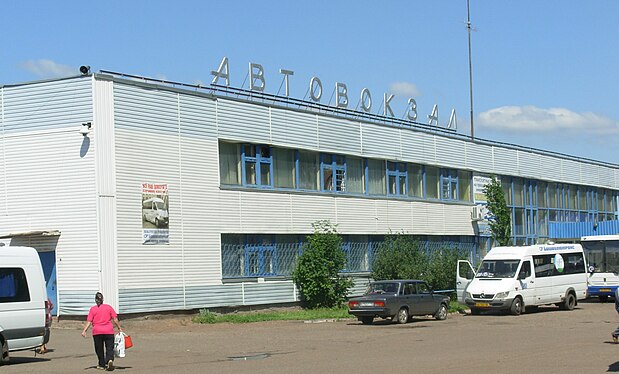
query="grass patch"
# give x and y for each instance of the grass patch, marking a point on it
(207, 316)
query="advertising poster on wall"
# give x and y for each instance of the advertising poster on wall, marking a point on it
(155, 223)
(479, 197)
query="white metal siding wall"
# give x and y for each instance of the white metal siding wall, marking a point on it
(50, 180)
(294, 129)
(182, 152)
(294, 213)
(103, 128)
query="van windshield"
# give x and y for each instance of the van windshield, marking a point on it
(159, 205)
(497, 269)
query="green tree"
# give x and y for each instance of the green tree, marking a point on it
(500, 222)
(317, 271)
(399, 257)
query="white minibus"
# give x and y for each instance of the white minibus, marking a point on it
(23, 301)
(513, 278)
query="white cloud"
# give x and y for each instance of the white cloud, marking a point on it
(404, 89)
(532, 119)
(48, 68)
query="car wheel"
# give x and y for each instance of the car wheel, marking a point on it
(5, 352)
(367, 320)
(516, 307)
(157, 222)
(603, 298)
(402, 316)
(441, 313)
(569, 303)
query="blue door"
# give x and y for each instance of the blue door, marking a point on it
(48, 260)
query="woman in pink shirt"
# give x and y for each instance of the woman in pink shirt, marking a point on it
(101, 317)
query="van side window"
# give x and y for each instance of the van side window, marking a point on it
(13, 286)
(525, 270)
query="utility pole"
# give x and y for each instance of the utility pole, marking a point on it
(468, 26)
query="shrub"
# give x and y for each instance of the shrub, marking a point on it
(399, 257)
(316, 273)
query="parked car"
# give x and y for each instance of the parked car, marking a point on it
(399, 300)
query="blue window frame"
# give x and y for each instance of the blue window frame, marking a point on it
(260, 256)
(449, 184)
(332, 173)
(397, 178)
(257, 166)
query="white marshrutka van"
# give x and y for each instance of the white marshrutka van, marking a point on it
(513, 278)
(23, 301)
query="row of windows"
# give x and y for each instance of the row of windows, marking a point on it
(549, 265)
(262, 166)
(245, 255)
(525, 192)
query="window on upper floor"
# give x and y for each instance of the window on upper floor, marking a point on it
(464, 185)
(229, 163)
(376, 177)
(432, 182)
(284, 167)
(309, 169)
(415, 180)
(333, 173)
(449, 184)
(355, 175)
(397, 178)
(257, 166)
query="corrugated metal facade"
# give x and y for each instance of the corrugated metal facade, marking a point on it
(48, 180)
(154, 134)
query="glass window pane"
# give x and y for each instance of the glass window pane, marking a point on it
(340, 179)
(541, 193)
(355, 177)
(250, 172)
(265, 174)
(432, 182)
(376, 176)
(402, 190)
(284, 167)
(229, 163)
(464, 185)
(392, 184)
(518, 192)
(506, 183)
(308, 170)
(250, 150)
(542, 222)
(573, 198)
(600, 199)
(553, 200)
(327, 179)
(582, 198)
(519, 221)
(415, 180)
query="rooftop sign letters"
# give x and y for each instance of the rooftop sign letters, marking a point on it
(257, 82)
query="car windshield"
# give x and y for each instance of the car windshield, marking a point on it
(378, 288)
(497, 269)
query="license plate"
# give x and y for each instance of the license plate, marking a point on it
(366, 304)
(482, 305)
(605, 290)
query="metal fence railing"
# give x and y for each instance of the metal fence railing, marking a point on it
(278, 260)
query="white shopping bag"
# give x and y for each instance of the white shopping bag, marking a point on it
(119, 345)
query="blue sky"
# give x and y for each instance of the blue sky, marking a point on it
(544, 72)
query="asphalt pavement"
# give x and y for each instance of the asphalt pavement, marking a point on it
(546, 341)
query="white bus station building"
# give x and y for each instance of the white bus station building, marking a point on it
(166, 196)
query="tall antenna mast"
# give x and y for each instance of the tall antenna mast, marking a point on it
(468, 26)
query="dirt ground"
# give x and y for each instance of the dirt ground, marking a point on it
(547, 341)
